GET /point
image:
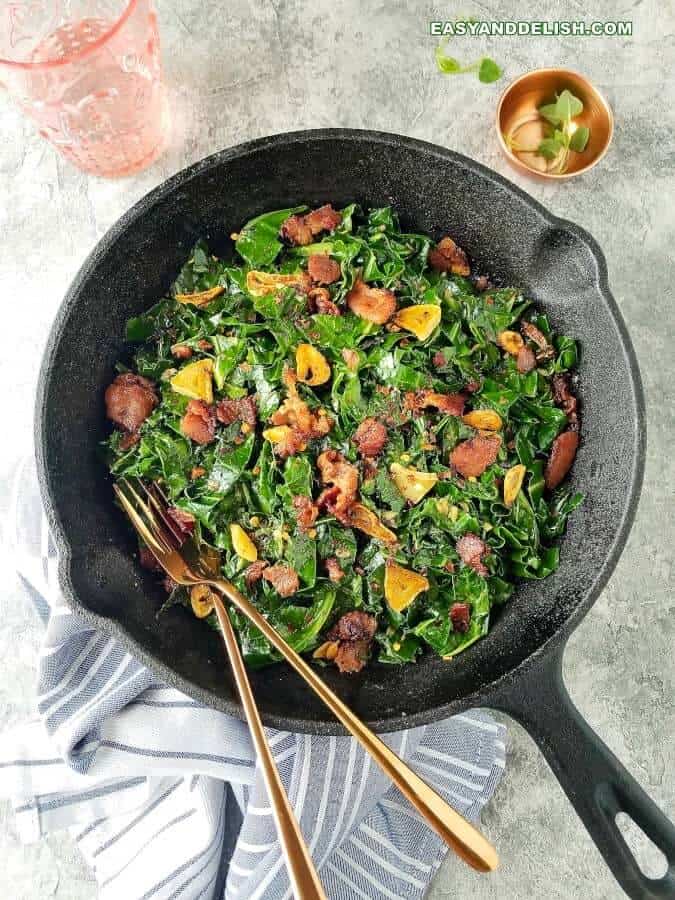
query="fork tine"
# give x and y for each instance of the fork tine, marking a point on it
(149, 538)
(153, 524)
(161, 504)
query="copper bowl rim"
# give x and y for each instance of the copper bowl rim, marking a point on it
(550, 176)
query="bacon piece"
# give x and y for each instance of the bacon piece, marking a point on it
(283, 579)
(296, 231)
(376, 305)
(460, 616)
(183, 520)
(302, 230)
(352, 656)
(563, 451)
(526, 360)
(481, 283)
(129, 440)
(354, 631)
(448, 257)
(472, 386)
(320, 302)
(565, 399)
(472, 457)
(254, 572)
(451, 404)
(129, 400)
(241, 410)
(370, 437)
(199, 422)
(181, 351)
(306, 512)
(354, 626)
(323, 269)
(305, 424)
(438, 359)
(471, 551)
(325, 218)
(532, 333)
(343, 481)
(335, 573)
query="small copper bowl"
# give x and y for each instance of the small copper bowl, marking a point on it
(519, 103)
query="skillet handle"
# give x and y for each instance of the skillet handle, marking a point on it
(594, 780)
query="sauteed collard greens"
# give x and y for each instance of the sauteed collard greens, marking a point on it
(373, 438)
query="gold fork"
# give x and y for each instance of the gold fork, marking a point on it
(188, 568)
(161, 539)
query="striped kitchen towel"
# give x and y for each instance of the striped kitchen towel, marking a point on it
(162, 793)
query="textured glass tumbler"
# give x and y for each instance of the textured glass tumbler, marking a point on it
(88, 73)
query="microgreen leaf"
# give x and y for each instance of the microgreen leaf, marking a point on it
(549, 111)
(568, 106)
(446, 64)
(579, 139)
(489, 71)
(549, 148)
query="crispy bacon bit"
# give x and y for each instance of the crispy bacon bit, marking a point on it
(560, 460)
(241, 410)
(283, 579)
(471, 551)
(532, 333)
(254, 572)
(565, 399)
(354, 631)
(472, 457)
(438, 359)
(129, 400)
(302, 230)
(472, 386)
(204, 344)
(183, 520)
(482, 283)
(342, 481)
(129, 440)
(147, 560)
(335, 573)
(181, 351)
(306, 512)
(319, 302)
(199, 422)
(376, 305)
(370, 437)
(448, 257)
(197, 472)
(323, 269)
(296, 231)
(305, 424)
(460, 616)
(451, 404)
(526, 360)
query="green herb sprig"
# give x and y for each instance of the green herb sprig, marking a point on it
(564, 135)
(487, 69)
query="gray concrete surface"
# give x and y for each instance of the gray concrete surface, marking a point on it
(238, 71)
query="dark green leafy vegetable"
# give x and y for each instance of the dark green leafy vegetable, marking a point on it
(238, 476)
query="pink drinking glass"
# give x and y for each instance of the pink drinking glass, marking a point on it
(88, 73)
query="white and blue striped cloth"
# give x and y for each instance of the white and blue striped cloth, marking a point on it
(162, 794)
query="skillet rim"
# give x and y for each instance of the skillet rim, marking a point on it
(114, 629)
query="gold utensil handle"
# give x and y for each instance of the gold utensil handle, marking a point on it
(453, 828)
(303, 875)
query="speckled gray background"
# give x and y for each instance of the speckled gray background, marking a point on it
(241, 70)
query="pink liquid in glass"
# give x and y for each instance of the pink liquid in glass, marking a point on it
(94, 88)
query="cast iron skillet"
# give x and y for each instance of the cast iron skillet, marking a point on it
(517, 667)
